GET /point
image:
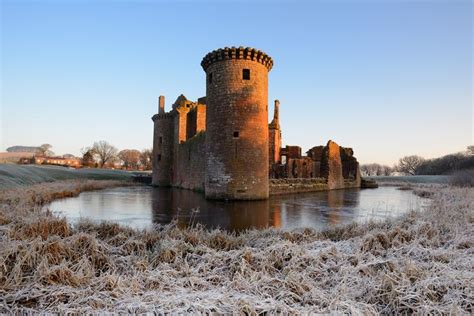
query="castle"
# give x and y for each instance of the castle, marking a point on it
(223, 145)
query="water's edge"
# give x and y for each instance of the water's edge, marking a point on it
(143, 206)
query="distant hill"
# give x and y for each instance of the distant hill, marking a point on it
(18, 175)
(23, 149)
(13, 157)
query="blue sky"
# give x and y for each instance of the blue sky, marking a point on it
(388, 78)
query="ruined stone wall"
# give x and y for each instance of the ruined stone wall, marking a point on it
(335, 164)
(196, 120)
(316, 154)
(163, 140)
(190, 163)
(292, 152)
(200, 118)
(349, 163)
(289, 186)
(180, 124)
(331, 166)
(274, 144)
(300, 168)
(237, 124)
(274, 137)
(350, 168)
(191, 121)
(179, 134)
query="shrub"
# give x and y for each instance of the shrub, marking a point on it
(463, 178)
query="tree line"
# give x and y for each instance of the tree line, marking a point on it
(102, 154)
(416, 165)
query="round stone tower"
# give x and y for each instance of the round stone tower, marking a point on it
(162, 146)
(237, 123)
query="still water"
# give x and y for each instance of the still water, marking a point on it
(143, 206)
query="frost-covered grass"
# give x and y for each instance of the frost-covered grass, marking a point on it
(410, 180)
(421, 263)
(463, 178)
(19, 175)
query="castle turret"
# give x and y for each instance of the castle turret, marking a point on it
(237, 123)
(162, 146)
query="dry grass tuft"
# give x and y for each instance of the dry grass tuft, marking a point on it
(41, 227)
(419, 263)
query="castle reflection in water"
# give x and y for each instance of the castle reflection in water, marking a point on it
(143, 206)
(190, 208)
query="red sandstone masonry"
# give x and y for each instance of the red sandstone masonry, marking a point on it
(237, 124)
(224, 145)
(190, 163)
(163, 139)
(274, 140)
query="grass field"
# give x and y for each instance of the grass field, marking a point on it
(12, 175)
(420, 263)
(407, 180)
(14, 157)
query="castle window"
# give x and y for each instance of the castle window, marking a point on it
(159, 157)
(246, 74)
(210, 77)
(236, 134)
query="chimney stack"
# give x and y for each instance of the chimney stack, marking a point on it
(161, 104)
(276, 114)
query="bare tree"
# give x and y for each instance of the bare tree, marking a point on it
(45, 150)
(386, 170)
(470, 150)
(104, 152)
(87, 157)
(375, 169)
(409, 164)
(130, 158)
(367, 169)
(146, 157)
(85, 150)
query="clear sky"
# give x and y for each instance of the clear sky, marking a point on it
(388, 78)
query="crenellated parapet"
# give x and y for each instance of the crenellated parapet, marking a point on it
(161, 116)
(227, 53)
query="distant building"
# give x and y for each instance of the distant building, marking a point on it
(58, 161)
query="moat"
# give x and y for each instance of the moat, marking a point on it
(143, 206)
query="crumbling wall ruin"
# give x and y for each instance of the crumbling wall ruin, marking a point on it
(331, 169)
(336, 165)
(191, 163)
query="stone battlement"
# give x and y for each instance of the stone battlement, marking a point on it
(228, 53)
(167, 115)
